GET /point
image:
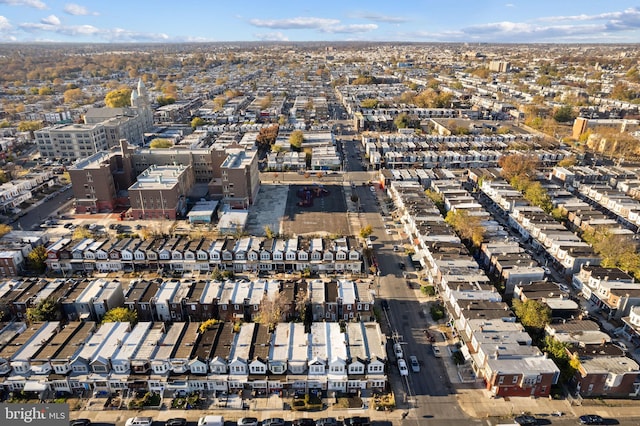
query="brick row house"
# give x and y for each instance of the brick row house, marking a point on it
(246, 254)
(184, 356)
(498, 349)
(170, 300)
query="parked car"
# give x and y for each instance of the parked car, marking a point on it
(436, 351)
(526, 420)
(304, 422)
(397, 350)
(248, 421)
(357, 421)
(415, 365)
(139, 421)
(402, 367)
(275, 421)
(211, 421)
(621, 345)
(176, 421)
(80, 422)
(327, 421)
(591, 419)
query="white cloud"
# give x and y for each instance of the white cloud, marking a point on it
(51, 20)
(324, 25)
(376, 17)
(78, 10)
(5, 25)
(349, 29)
(273, 36)
(110, 34)
(509, 5)
(29, 3)
(294, 23)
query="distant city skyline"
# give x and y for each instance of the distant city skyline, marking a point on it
(506, 21)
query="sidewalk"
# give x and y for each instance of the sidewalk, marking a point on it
(262, 408)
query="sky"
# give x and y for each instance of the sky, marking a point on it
(163, 21)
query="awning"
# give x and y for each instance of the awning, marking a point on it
(32, 386)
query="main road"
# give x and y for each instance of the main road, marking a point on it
(429, 393)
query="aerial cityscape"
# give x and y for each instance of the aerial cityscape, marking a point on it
(337, 215)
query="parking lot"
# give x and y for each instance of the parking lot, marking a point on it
(326, 213)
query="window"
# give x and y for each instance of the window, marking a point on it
(515, 380)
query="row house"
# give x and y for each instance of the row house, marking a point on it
(93, 362)
(193, 300)
(497, 347)
(180, 253)
(340, 300)
(222, 357)
(612, 290)
(603, 369)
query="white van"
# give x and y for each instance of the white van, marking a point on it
(139, 421)
(211, 421)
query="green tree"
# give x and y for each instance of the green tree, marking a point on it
(46, 310)
(118, 98)
(160, 143)
(197, 122)
(36, 259)
(366, 231)
(538, 196)
(532, 314)
(564, 114)
(295, 140)
(120, 314)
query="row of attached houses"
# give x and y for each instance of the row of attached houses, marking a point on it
(246, 254)
(498, 348)
(185, 356)
(168, 300)
(566, 250)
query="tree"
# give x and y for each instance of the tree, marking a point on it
(564, 114)
(301, 302)
(46, 310)
(538, 196)
(532, 314)
(160, 143)
(518, 165)
(81, 233)
(120, 314)
(366, 231)
(118, 98)
(369, 103)
(466, 226)
(165, 100)
(73, 96)
(36, 259)
(271, 310)
(5, 229)
(30, 126)
(197, 122)
(567, 162)
(295, 140)
(267, 136)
